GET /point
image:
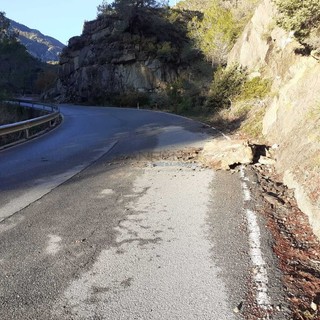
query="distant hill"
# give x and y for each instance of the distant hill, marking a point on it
(42, 47)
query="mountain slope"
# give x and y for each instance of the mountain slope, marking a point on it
(42, 47)
(292, 116)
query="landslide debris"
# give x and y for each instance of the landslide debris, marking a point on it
(295, 244)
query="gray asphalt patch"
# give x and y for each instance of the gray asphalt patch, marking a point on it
(162, 266)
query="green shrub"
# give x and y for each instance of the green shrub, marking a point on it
(255, 88)
(166, 52)
(299, 16)
(184, 96)
(226, 85)
(214, 33)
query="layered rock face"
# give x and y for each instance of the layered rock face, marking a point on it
(292, 119)
(106, 60)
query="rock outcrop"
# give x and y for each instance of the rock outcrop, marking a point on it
(107, 59)
(223, 154)
(292, 119)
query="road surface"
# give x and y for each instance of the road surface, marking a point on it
(87, 234)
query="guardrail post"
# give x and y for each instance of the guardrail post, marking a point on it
(27, 133)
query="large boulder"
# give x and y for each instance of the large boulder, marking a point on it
(223, 154)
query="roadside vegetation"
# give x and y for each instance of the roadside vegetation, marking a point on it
(10, 113)
(21, 74)
(302, 18)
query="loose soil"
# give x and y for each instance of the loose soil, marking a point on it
(295, 245)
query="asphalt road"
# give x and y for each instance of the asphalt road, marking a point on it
(30, 170)
(88, 234)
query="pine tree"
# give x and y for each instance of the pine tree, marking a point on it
(123, 6)
(4, 26)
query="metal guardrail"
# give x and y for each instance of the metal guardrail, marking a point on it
(35, 105)
(52, 111)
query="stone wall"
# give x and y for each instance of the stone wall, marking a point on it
(292, 119)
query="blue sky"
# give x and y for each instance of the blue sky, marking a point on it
(60, 19)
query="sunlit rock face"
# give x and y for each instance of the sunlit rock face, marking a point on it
(292, 117)
(106, 60)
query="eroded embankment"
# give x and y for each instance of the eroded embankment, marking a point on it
(292, 117)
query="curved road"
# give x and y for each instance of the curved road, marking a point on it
(85, 234)
(32, 169)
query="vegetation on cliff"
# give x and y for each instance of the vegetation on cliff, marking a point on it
(209, 29)
(220, 24)
(154, 29)
(142, 54)
(301, 17)
(214, 33)
(146, 53)
(20, 72)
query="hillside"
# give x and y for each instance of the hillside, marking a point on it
(288, 119)
(42, 47)
(291, 117)
(21, 73)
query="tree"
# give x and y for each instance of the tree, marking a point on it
(225, 86)
(194, 5)
(133, 13)
(6, 35)
(4, 26)
(45, 80)
(214, 33)
(302, 17)
(18, 69)
(124, 6)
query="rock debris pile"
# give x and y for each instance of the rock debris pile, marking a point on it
(295, 244)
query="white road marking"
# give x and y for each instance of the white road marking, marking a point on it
(205, 124)
(224, 135)
(260, 275)
(246, 191)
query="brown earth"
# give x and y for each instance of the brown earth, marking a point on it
(295, 244)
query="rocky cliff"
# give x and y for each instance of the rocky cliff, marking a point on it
(292, 118)
(108, 58)
(44, 48)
